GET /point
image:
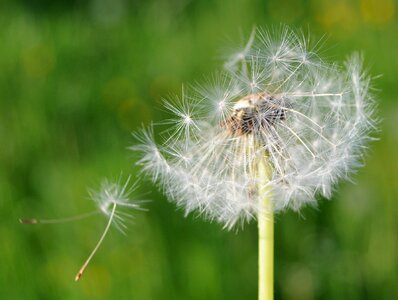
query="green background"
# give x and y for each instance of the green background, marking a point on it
(77, 77)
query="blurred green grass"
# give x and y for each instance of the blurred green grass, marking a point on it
(76, 78)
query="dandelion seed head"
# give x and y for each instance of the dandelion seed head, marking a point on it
(114, 198)
(275, 100)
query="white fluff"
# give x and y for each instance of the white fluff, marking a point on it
(320, 139)
(114, 193)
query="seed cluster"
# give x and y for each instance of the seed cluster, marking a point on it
(254, 113)
(275, 100)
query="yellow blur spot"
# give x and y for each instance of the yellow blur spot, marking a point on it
(162, 85)
(120, 97)
(38, 61)
(96, 283)
(116, 91)
(59, 268)
(299, 283)
(132, 113)
(286, 11)
(377, 12)
(338, 17)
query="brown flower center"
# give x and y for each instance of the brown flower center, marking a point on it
(253, 113)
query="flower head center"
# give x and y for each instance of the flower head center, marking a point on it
(106, 206)
(187, 119)
(254, 113)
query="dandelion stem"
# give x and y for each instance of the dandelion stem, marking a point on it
(80, 273)
(265, 236)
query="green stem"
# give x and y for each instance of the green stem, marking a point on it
(265, 236)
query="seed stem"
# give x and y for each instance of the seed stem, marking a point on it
(57, 221)
(83, 268)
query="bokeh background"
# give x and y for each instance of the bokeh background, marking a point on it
(77, 77)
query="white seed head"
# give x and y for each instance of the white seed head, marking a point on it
(113, 198)
(276, 100)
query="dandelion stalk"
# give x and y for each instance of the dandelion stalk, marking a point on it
(265, 237)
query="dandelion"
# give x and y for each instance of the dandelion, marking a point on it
(276, 128)
(112, 199)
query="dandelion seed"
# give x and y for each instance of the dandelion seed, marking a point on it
(110, 200)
